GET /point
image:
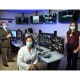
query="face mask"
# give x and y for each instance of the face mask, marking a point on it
(72, 28)
(29, 44)
(4, 27)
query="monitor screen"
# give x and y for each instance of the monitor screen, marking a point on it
(35, 19)
(21, 20)
(45, 40)
(35, 35)
(58, 44)
(50, 18)
(14, 33)
(68, 16)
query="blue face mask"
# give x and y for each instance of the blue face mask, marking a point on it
(29, 44)
(72, 28)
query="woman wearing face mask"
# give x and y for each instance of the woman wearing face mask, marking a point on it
(73, 46)
(27, 55)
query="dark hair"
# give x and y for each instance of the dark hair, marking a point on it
(76, 27)
(30, 36)
(3, 22)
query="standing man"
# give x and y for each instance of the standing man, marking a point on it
(5, 37)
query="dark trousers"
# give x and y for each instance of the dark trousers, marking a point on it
(72, 61)
(6, 55)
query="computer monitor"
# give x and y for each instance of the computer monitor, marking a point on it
(36, 19)
(14, 33)
(58, 44)
(45, 40)
(34, 35)
(68, 16)
(21, 20)
(50, 18)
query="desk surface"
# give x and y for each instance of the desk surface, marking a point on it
(18, 43)
(43, 48)
(54, 55)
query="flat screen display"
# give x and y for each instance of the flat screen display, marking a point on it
(68, 16)
(21, 20)
(50, 18)
(13, 33)
(35, 19)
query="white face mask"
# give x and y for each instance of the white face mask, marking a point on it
(29, 44)
(4, 27)
(72, 27)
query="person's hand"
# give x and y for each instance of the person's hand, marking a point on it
(9, 35)
(32, 67)
(75, 51)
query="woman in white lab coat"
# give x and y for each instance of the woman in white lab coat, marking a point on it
(27, 55)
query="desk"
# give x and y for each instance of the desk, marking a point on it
(17, 44)
(43, 48)
(53, 61)
(54, 57)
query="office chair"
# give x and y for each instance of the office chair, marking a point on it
(30, 30)
(19, 34)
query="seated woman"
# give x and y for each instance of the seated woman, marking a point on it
(27, 55)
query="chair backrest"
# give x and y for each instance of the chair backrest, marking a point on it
(30, 30)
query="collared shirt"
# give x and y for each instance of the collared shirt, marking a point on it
(26, 58)
(5, 30)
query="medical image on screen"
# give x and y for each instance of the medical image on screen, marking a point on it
(21, 20)
(50, 18)
(35, 19)
(13, 33)
(58, 44)
(45, 40)
(68, 16)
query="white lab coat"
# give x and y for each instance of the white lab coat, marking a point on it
(26, 58)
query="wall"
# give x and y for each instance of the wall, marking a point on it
(47, 28)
